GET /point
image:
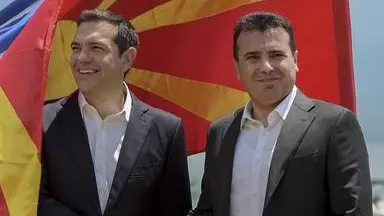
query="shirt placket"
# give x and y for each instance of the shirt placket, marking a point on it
(260, 171)
(264, 173)
(100, 167)
(255, 166)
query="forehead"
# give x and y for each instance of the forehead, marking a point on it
(274, 38)
(89, 31)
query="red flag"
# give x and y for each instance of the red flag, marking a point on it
(24, 67)
(185, 62)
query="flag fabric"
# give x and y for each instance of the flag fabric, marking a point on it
(26, 29)
(185, 63)
(184, 66)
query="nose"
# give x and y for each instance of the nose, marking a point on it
(83, 56)
(265, 66)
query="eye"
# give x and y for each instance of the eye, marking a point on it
(252, 57)
(97, 48)
(75, 49)
(278, 55)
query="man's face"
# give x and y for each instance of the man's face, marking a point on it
(266, 65)
(96, 64)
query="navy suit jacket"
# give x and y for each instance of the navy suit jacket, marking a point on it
(151, 177)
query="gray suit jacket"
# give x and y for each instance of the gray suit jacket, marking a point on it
(151, 177)
(319, 166)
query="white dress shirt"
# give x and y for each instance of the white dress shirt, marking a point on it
(253, 154)
(105, 138)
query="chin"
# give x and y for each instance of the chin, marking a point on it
(271, 101)
(86, 89)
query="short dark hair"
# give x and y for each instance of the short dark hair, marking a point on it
(261, 21)
(126, 34)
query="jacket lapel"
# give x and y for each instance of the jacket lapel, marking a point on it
(74, 129)
(135, 135)
(292, 132)
(225, 163)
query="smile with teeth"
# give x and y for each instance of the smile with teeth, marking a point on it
(87, 71)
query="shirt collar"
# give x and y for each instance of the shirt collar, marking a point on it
(282, 109)
(126, 107)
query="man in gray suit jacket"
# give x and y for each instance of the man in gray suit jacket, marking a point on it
(104, 151)
(283, 154)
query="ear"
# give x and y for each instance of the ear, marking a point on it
(128, 58)
(295, 58)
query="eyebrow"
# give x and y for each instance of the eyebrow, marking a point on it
(74, 43)
(276, 51)
(252, 53)
(95, 43)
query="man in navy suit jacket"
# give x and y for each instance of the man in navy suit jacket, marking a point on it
(104, 151)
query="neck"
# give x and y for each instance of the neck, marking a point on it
(107, 102)
(261, 112)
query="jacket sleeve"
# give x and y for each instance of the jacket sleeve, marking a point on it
(174, 195)
(204, 206)
(349, 181)
(47, 205)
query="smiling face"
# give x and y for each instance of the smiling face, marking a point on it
(266, 65)
(95, 61)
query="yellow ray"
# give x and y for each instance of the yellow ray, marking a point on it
(60, 79)
(207, 100)
(19, 163)
(182, 11)
(105, 4)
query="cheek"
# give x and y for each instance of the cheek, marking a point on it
(292, 71)
(247, 79)
(72, 60)
(293, 75)
(108, 62)
(248, 69)
(287, 68)
(245, 75)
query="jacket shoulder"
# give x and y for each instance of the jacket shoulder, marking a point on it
(225, 121)
(329, 110)
(51, 110)
(163, 116)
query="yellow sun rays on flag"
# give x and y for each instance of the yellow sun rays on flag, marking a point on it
(218, 99)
